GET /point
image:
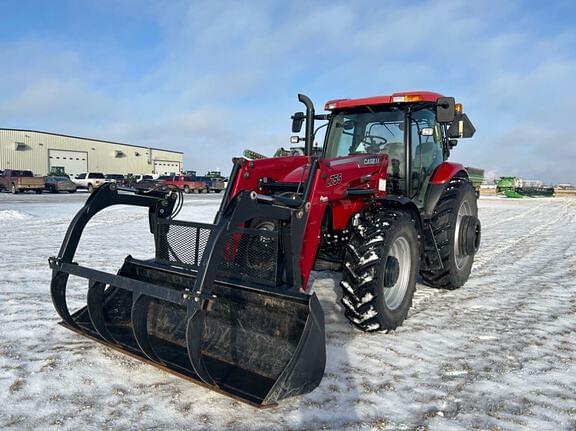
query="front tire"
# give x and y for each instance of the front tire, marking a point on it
(90, 188)
(458, 202)
(14, 189)
(380, 266)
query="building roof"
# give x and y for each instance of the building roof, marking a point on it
(90, 139)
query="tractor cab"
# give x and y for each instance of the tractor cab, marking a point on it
(415, 130)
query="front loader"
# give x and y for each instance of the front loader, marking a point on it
(228, 304)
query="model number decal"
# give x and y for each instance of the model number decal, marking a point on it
(371, 161)
(334, 179)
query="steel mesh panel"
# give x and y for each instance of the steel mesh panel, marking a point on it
(249, 254)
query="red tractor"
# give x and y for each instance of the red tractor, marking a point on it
(229, 304)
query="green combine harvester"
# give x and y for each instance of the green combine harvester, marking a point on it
(515, 188)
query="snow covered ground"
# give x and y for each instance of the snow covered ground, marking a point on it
(497, 354)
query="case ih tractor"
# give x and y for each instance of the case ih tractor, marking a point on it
(229, 305)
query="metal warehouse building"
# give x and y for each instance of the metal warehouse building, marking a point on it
(40, 152)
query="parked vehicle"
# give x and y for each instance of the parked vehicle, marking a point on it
(140, 177)
(20, 181)
(115, 178)
(185, 183)
(146, 184)
(55, 184)
(212, 184)
(90, 180)
(476, 177)
(58, 171)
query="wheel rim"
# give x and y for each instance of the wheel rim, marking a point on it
(400, 249)
(461, 258)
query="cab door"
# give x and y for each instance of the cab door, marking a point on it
(426, 151)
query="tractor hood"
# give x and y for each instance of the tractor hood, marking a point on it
(297, 175)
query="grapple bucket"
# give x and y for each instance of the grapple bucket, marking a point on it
(213, 306)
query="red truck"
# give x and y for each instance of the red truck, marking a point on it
(185, 183)
(20, 180)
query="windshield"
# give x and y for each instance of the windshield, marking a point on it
(26, 174)
(365, 133)
(371, 133)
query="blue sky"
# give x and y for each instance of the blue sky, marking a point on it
(211, 78)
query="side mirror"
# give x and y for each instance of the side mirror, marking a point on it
(445, 109)
(461, 127)
(297, 120)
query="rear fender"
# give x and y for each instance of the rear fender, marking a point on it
(442, 175)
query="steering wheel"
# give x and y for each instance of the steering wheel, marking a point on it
(374, 143)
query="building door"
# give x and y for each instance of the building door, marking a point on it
(166, 167)
(73, 162)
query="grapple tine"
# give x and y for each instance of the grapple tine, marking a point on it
(194, 334)
(140, 326)
(58, 294)
(95, 306)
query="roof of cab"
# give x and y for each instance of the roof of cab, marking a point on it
(408, 96)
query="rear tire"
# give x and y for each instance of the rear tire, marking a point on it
(377, 296)
(186, 189)
(14, 189)
(458, 198)
(90, 188)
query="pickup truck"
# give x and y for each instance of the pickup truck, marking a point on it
(185, 183)
(19, 181)
(90, 180)
(215, 185)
